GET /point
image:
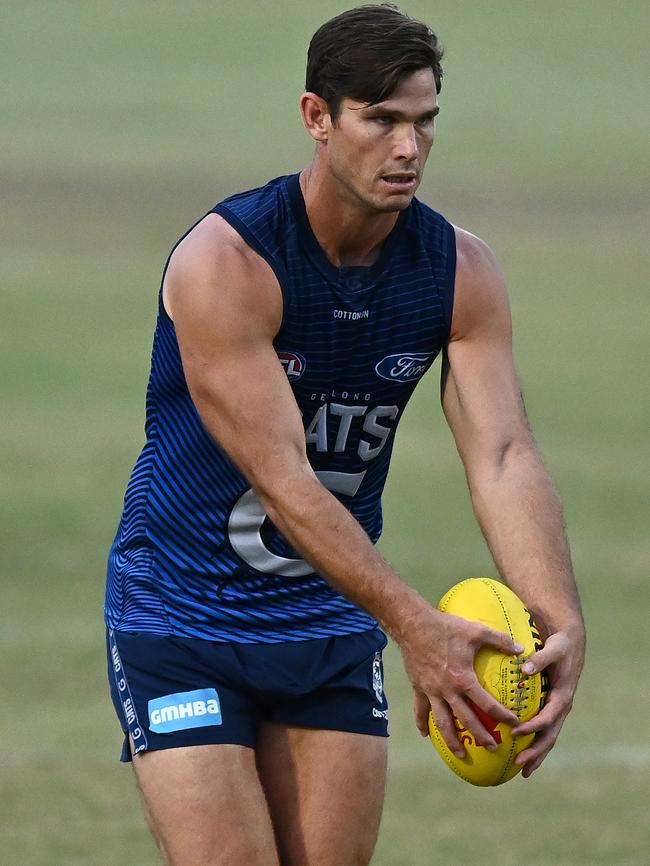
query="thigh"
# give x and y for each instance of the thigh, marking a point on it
(325, 791)
(206, 807)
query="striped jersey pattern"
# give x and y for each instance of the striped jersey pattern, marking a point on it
(194, 553)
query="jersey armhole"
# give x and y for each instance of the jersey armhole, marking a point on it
(450, 284)
(242, 230)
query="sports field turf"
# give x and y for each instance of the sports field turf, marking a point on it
(121, 123)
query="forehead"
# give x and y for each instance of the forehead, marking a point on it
(415, 92)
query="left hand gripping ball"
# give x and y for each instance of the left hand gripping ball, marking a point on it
(495, 605)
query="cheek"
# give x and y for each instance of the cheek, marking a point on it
(358, 153)
(360, 144)
(426, 143)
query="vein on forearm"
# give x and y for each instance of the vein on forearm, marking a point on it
(520, 515)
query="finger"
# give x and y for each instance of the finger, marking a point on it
(540, 747)
(421, 712)
(533, 757)
(542, 720)
(554, 711)
(489, 704)
(445, 723)
(499, 640)
(533, 765)
(472, 720)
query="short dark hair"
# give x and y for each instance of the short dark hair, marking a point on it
(364, 53)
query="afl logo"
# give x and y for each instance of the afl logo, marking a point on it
(405, 366)
(293, 363)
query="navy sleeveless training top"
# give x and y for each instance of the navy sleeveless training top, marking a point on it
(194, 553)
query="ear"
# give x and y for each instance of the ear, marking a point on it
(315, 116)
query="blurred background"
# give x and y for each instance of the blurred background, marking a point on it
(122, 123)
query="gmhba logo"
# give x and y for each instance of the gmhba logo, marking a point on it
(196, 709)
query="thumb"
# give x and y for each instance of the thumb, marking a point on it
(553, 650)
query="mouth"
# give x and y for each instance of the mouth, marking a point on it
(400, 181)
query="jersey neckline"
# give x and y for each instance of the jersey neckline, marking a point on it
(349, 279)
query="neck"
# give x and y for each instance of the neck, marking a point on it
(348, 233)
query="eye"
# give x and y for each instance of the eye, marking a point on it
(383, 120)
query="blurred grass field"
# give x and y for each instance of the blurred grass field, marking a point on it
(121, 124)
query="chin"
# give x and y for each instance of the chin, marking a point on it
(392, 201)
(393, 204)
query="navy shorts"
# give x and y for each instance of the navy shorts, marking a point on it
(171, 691)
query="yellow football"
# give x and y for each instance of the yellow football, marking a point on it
(494, 604)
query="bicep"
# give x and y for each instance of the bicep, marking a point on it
(227, 309)
(245, 401)
(480, 393)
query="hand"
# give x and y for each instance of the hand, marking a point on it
(438, 653)
(563, 655)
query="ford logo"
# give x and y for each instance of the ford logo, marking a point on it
(405, 366)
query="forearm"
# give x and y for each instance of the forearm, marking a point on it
(269, 451)
(520, 515)
(326, 534)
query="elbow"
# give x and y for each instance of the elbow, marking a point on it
(504, 455)
(503, 452)
(282, 489)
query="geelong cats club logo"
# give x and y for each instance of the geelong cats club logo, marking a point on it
(293, 363)
(404, 366)
(377, 679)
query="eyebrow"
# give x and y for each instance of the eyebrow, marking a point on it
(382, 111)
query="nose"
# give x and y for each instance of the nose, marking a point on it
(406, 146)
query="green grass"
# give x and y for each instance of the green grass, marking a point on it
(122, 123)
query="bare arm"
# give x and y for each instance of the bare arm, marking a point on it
(227, 308)
(512, 494)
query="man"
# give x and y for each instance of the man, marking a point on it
(244, 589)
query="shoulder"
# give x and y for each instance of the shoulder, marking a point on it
(211, 244)
(475, 259)
(230, 232)
(481, 297)
(212, 266)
